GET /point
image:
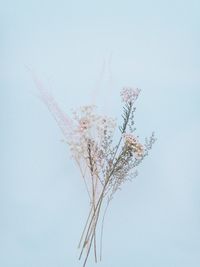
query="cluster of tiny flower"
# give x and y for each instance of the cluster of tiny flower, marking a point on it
(85, 117)
(129, 94)
(83, 122)
(105, 126)
(89, 126)
(131, 142)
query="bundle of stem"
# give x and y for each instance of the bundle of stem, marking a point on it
(89, 233)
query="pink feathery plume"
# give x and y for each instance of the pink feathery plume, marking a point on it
(63, 121)
(105, 71)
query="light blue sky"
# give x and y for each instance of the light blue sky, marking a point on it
(83, 49)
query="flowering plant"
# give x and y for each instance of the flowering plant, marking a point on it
(104, 166)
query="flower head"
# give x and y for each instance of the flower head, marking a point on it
(84, 124)
(133, 144)
(129, 139)
(129, 94)
(105, 126)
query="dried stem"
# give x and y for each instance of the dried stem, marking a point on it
(102, 228)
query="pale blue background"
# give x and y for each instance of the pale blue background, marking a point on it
(77, 47)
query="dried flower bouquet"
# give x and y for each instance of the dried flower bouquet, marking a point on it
(104, 166)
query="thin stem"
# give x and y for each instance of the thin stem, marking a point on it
(91, 221)
(124, 129)
(95, 251)
(83, 175)
(84, 228)
(92, 234)
(102, 226)
(91, 166)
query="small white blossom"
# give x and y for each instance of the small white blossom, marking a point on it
(129, 94)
